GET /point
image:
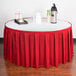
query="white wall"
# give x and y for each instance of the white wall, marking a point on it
(66, 10)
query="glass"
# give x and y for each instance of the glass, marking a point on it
(18, 16)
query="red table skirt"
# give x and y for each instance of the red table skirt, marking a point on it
(38, 49)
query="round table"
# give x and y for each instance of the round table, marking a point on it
(37, 45)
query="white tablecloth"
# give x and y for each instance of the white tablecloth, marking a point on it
(44, 26)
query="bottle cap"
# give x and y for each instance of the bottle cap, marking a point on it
(54, 7)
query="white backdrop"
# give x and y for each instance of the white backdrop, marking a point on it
(8, 8)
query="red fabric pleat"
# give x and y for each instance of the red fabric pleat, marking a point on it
(27, 49)
(37, 49)
(47, 50)
(10, 47)
(64, 48)
(52, 48)
(42, 50)
(32, 49)
(7, 45)
(70, 51)
(17, 48)
(22, 49)
(60, 47)
(56, 48)
(71, 40)
(14, 48)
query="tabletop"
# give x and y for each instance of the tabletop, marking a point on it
(43, 26)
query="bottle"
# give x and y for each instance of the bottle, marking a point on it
(48, 16)
(54, 14)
